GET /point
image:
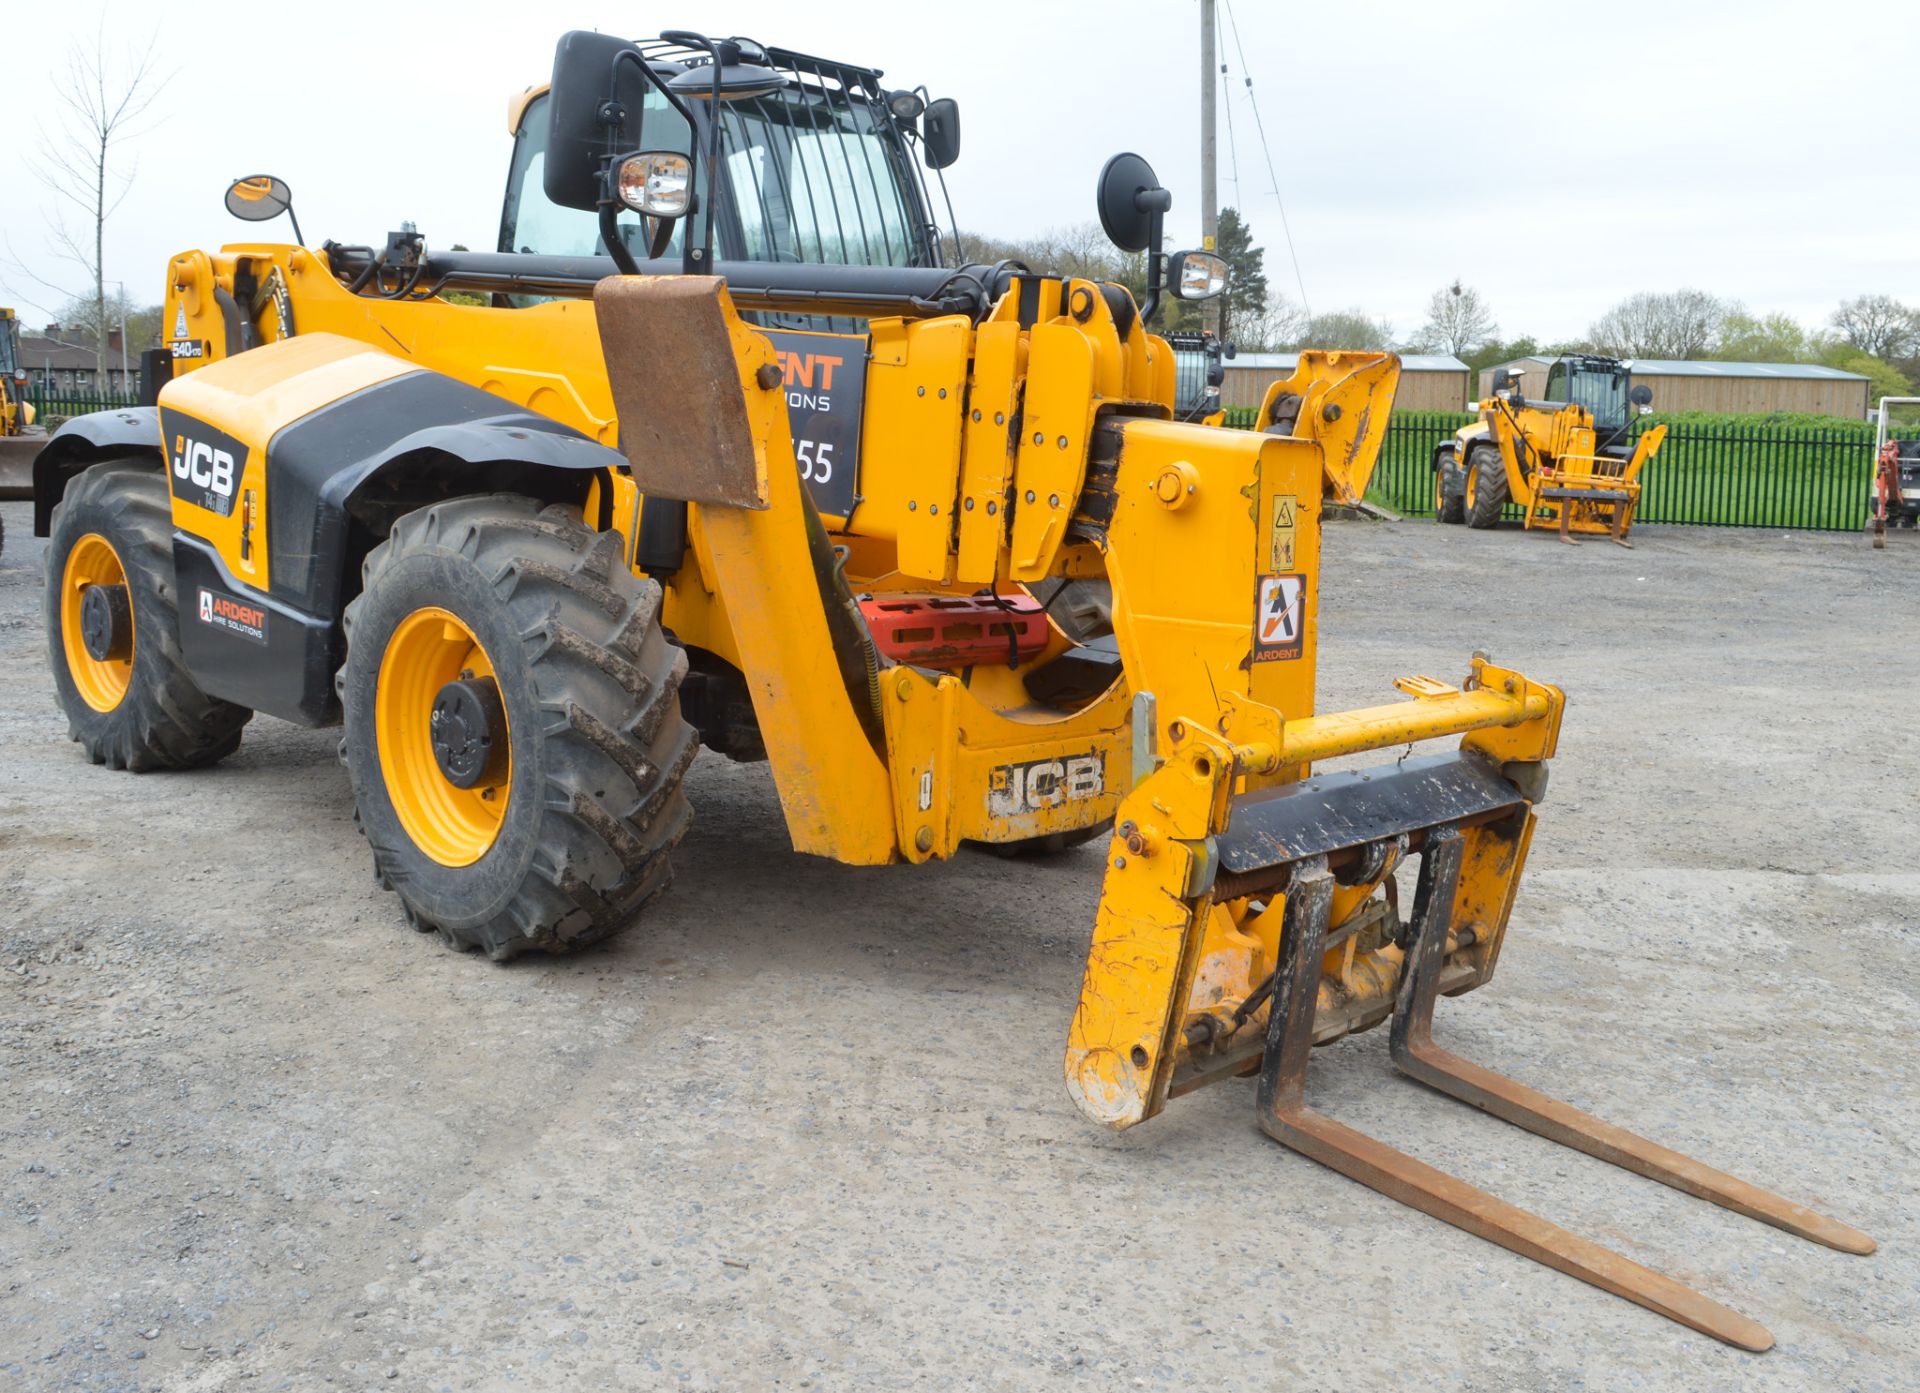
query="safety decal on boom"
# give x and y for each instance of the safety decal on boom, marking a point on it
(1280, 552)
(1279, 618)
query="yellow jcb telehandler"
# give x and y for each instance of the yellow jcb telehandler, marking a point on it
(1567, 460)
(715, 462)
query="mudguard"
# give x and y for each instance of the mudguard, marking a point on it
(86, 440)
(327, 441)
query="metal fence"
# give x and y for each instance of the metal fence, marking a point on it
(52, 405)
(1802, 478)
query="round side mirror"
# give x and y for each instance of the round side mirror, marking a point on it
(1128, 196)
(1502, 379)
(258, 198)
(1641, 395)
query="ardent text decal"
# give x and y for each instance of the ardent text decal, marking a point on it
(1014, 790)
(204, 463)
(219, 610)
(1279, 618)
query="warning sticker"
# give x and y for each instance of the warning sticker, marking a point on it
(1279, 618)
(1285, 505)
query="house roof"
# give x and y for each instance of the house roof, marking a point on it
(1409, 362)
(38, 354)
(1700, 367)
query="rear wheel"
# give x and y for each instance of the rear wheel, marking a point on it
(513, 726)
(1486, 486)
(1448, 505)
(113, 629)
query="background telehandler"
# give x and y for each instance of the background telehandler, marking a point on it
(669, 486)
(1566, 460)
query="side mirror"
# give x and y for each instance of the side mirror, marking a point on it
(1229, 350)
(941, 127)
(1131, 203)
(1502, 379)
(1196, 275)
(1132, 208)
(593, 111)
(261, 198)
(1641, 395)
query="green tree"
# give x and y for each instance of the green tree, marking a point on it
(1770, 338)
(1883, 379)
(1491, 354)
(1244, 302)
(1351, 328)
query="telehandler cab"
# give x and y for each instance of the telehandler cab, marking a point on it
(1566, 460)
(730, 458)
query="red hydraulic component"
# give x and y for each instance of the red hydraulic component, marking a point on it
(953, 631)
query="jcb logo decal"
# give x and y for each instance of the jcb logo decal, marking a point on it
(1014, 790)
(206, 463)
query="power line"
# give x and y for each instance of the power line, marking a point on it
(1267, 150)
(1233, 154)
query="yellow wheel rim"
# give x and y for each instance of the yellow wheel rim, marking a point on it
(455, 826)
(101, 682)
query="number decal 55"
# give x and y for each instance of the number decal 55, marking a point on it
(816, 460)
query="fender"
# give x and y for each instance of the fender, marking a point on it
(86, 440)
(339, 440)
(1461, 441)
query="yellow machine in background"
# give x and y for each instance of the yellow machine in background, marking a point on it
(670, 487)
(16, 412)
(1566, 461)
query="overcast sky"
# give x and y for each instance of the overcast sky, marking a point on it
(1557, 157)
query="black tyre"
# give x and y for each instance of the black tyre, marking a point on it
(513, 726)
(1486, 486)
(113, 628)
(1448, 503)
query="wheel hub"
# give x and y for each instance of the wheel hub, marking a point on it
(469, 732)
(106, 623)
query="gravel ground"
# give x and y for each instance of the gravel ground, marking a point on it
(805, 1127)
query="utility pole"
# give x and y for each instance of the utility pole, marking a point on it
(1209, 189)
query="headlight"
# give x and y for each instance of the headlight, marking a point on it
(1197, 275)
(658, 183)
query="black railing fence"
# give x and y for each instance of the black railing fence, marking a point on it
(52, 405)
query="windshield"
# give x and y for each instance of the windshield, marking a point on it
(811, 176)
(816, 179)
(8, 328)
(1602, 392)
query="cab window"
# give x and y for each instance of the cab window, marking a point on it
(531, 223)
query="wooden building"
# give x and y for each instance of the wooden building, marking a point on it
(1730, 388)
(1428, 381)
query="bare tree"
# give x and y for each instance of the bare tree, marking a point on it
(1671, 324)
(102, 99)
(1458, 321)
(1878, 324)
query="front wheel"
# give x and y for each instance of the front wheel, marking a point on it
(513, 726)
(1486, 486)
(113, 628)
(1448, 504)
